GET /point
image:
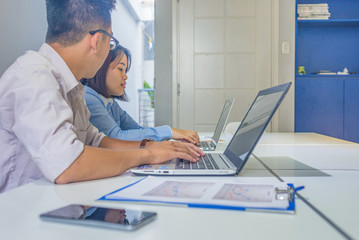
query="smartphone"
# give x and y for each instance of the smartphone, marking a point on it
(115, 218)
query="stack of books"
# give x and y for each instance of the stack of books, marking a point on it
(313, 11)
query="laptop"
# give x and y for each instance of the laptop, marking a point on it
(239, 149)
(211, 144)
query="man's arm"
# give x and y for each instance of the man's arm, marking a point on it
(97, 163)
(112, 143)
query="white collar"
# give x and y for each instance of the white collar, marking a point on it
(62, 69)
(106, 100)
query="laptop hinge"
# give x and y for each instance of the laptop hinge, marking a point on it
(227, 162)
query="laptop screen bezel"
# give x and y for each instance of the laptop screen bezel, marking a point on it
(232, 156)
(215, 141)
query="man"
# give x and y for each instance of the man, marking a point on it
(44, 125)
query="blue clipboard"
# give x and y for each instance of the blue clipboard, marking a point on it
(286, 194)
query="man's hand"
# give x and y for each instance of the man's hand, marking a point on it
(185, 135)
(161, 152)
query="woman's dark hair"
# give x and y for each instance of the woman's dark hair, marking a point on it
(70, 20)
(98, 82)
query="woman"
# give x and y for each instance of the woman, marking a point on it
(109, 84)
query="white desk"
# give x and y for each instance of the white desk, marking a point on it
(334, 195)
(20, 207)
(300, 139)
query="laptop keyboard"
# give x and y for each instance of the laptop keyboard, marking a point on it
(205, 162)
(206, 144)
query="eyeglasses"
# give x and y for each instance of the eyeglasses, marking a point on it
(113, 41)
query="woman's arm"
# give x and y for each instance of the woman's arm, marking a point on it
(116, 123)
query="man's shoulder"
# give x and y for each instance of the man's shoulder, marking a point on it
(25, 67)
(32, 59)
(30, 63)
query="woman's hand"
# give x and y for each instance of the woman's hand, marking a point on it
(185, 136)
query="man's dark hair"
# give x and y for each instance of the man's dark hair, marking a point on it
(70, 20)
(98, 82)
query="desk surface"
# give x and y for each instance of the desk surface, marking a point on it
(332, 194)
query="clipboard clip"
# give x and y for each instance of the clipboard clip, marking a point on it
(286, 192)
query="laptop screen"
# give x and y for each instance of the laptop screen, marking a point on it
(222, 120)
(254, 124)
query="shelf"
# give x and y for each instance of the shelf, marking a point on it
(329, 23)
(327, 76)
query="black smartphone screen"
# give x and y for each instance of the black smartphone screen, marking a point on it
(115, 218)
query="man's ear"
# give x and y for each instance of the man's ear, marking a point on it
(93, 41)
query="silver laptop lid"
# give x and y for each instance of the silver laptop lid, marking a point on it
(222, 119)
(254, 124)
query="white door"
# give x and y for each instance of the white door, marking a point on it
(223, 51)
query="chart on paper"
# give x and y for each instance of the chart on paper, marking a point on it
(245, 193)
(177, 189)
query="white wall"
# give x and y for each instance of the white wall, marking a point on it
(163, 63)
(286, 63)
(23, 27)
(129, 33)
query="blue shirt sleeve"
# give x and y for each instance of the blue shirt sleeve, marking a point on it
(116, 123)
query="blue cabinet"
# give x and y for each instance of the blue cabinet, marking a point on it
(319, 106)
(351, 113)
(328, 104)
